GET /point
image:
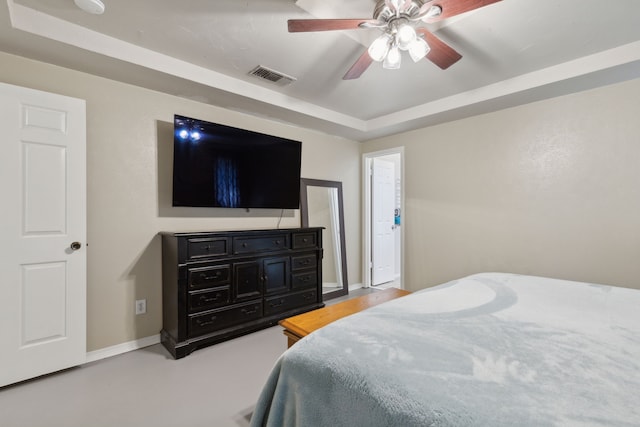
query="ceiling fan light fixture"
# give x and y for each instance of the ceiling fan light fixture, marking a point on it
(380, 47)
(418, 49)
(393, 59)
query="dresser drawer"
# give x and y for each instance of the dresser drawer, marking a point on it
(244, 245)
(288, 302)
(205, 300)
(208, 277)
(304, 280)
(304, 240)
(303, 261)
(219, 319)
(199, 248)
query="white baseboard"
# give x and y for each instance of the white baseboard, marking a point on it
(354, 286)
(117, 349)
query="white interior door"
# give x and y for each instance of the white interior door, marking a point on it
(43, 194)
(383, 204)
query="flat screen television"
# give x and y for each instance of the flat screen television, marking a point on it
(222, 166)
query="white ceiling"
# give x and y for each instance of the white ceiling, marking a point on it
(514, 51)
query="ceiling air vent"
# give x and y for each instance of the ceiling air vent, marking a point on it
(272, 76)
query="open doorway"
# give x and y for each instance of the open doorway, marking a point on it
(383, 203)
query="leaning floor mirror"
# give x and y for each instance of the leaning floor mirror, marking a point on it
(321, 206)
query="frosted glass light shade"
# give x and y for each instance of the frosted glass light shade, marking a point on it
(393, 59)
(418, 49)
(406, 35)
(379, 48)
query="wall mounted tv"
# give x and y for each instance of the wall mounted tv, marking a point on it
(221, 166)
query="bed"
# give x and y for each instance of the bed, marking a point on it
(490, 349)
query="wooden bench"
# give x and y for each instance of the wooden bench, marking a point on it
(298, 327)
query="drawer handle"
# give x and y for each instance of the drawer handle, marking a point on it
(276, 242)
(206, 300)
(305, 278)
(278, 304)
(211, 321)
(308, 296)
(207, 248)
(247, 312)
(244, 245)
(215, 275)
(305, 240)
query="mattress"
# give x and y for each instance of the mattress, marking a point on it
(491, 349)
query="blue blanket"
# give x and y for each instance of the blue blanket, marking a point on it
(487, 350)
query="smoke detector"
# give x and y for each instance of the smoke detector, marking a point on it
(95, 7)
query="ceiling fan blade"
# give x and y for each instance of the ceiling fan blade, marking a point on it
(452, 8)
(358, 67)
(441, 53)
(304, 25)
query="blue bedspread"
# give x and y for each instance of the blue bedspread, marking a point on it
(488, 350)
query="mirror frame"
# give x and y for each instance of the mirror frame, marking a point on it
(304, 217)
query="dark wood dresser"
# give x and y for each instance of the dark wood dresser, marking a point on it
(220, 285)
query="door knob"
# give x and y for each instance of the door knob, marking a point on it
(75, 246)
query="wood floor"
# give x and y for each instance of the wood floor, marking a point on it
(148, 388)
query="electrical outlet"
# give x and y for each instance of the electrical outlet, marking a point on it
(141, 306)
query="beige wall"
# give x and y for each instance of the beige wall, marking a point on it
(550, 188)
(129, 149)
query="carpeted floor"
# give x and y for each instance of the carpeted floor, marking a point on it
(214, 387)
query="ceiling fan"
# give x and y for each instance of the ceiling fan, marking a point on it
(399, 22)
